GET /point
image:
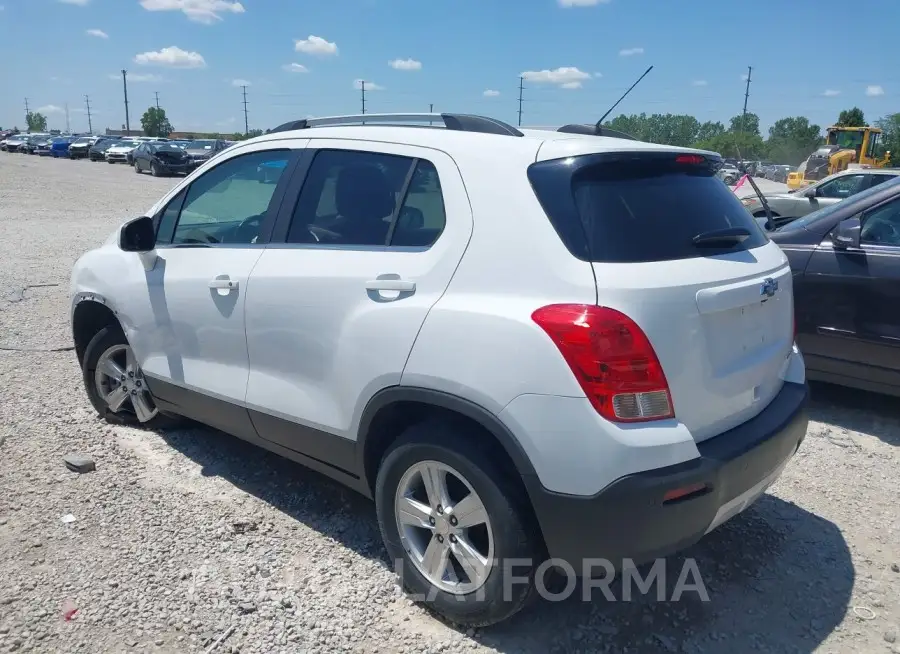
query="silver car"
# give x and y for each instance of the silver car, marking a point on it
(789, 205)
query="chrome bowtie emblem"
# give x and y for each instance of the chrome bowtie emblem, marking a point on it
(768, 287)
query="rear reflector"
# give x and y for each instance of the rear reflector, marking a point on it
(685, 492)
(695, 159)
(612, 359)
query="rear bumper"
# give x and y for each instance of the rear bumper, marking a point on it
(629, 518)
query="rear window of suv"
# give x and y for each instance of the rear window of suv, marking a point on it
(640, 207)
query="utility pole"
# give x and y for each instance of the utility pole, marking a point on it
(521, 89)
(87, 101)
(68, 129)
(431, 111)
(246, 122)
(27, 111)
(746, 96)
(125, 87)
(156, 93)
(362, 86)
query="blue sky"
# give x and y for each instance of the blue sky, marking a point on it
(304, 57)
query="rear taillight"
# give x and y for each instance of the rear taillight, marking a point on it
(612, 360)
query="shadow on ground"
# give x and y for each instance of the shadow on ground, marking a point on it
(855, 410)
(777, 577)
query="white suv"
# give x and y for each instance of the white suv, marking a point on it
(523, 345)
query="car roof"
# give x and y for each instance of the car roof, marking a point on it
(543, 143)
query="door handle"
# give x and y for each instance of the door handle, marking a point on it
(223, 284)
(400, 285)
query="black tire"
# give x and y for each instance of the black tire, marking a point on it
(137, 167)
(102, 341)
(514, 534)
(110, 162)
(154, 170)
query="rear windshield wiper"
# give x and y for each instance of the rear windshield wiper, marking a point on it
(722, 237)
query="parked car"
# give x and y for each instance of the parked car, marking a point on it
(200, 151)
(13, 143)
(59, 147)
(367, 315)
(32, 143)
(118, 152)
(790, 205)
(780, 173)
(97, 152)
(161, 158)
(729, 174)
(846, 263)
(80, 147)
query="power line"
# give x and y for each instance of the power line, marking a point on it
(125, 87)
(521, 89)
(746, 96)
(87, 102)
(246, 121)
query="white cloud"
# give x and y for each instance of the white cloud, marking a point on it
(100, 34)
(136, 77)
(80, 3)
(370, 86)
(227, 122)
(581, 3)
(491, 93)
(570, 85)
(830, 93)
(295, 68)
(874, 90)
(50, 109)
(699, 82)
(630, 52)
(171, 57)
(316, 45)
(206, 12)
(405, 64)
(240, 82)
(564, 76)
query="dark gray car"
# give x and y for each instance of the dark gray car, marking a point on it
(203, 150)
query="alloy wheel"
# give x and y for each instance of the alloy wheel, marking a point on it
(120, 383)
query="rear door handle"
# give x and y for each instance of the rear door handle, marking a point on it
(400, 285)
(223, 284)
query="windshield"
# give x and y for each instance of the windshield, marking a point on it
(165, 147)
(127, 144)
(201, 145)
(824, 213)
(84, 139)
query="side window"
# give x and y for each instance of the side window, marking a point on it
(421, 219)
(228, 203)
(165, 221)
(881, 179)
(842, 187)
(881, 226)
(349, 198)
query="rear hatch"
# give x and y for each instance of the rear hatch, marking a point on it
(674, 249)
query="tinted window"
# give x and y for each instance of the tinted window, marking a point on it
(881, 226)
(881, 179)
(421, 218)
(842, 187)
(860, 200)
(166, 220)
(228, 203)
(632, 208)
(349, 198)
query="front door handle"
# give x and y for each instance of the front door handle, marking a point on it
(400, 285)
(223, 284)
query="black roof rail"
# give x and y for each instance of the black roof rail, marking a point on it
(595, 130)
(455, 122)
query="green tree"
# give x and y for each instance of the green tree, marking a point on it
(852, 118)
(709, 130)
(36, 122)
(792, 139)
(666, 129)
(891, 136)
(748, 124)
(254, 133)
(155, 123)
(735, 144)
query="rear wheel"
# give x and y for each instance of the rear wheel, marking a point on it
(154, 170)
(450, 521)
(137, 166)
(115, 383)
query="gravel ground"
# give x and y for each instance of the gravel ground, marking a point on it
(180, 536)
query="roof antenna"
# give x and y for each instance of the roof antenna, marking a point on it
(599, 126)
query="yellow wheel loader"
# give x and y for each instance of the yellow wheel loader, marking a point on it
(844, 147)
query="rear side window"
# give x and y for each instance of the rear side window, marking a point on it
(629, 207)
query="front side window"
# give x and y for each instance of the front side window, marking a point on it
(228, 203)
(842, 187)
(881, 226)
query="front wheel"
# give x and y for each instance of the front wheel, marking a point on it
(115, 383)
(137, 167)
(455, 527)
(154, 170)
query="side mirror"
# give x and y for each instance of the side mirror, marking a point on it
(138, 235)
(846, 234)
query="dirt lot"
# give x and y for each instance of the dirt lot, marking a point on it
(180, 536)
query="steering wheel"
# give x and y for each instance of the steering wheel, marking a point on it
(248, 229)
